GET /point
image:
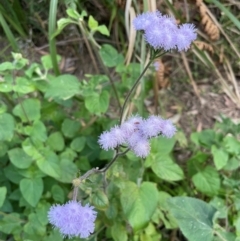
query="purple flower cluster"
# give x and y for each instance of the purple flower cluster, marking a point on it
(73, 219)
(162, 31)
(135, 133)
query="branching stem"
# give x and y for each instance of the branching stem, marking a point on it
(78, 181)
(154, 55)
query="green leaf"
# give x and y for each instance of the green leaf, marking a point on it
(30, 149)
(6, 127)
(39, 131)
(70, 127)
(83, 14)
(41, 211)
(73, 13)
(164, 167)
(3, 149)
(19, 158)
(61, 24)
(194, 217)
(3, 108)
(195, 163)
(220, 157)
(219, 204)
(92, 23)
(207, 138)
(167, 218)
(47, 61)
(31, 172)
(34, 226)
(110, 56)
(68, 171)
(23, 86)
(12, 174)
(28, 110)
(49, 164)
(97, 103)
(207, 181)
(55, 235)
(233, 164)
(31, 190)
(10, 223)
(181, 139)
(139, 203)
(83, 163)
(78, 143)
(6, 85)
(33, 68)
(68, 154)
(162, 145)
(222, 235)
(100, 200)
(58, 194)
(56, 141)
(6, 66)
(3, 192)
(119, 232)
(63, 87)
(103, 30)
(15, 195)
(112, 211)
(231, 144)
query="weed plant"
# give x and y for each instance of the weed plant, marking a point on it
(64, 139)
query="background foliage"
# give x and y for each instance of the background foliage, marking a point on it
(51, 114)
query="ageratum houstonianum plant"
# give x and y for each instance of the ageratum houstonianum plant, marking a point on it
(162, 35)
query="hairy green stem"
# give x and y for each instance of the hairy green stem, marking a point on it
(154, 55)
(132, 89)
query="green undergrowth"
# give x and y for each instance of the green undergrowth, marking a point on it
(49, 127)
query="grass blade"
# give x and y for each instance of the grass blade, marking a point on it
(51, 31)
(235, 21)
(15, 24)
(9, 33)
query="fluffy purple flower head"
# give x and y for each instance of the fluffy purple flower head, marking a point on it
(142, 21)
(131, 125)
(154, 36)
(135, 119)
(185, 35)
(136, 132)
(107, 141)
(73, 219)
(152, 126)
(169, 39)
(134, 138)
(167, 129)
(141, 148)
(56, 215)
(168, 22)
(162, 31)
(118, 135)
